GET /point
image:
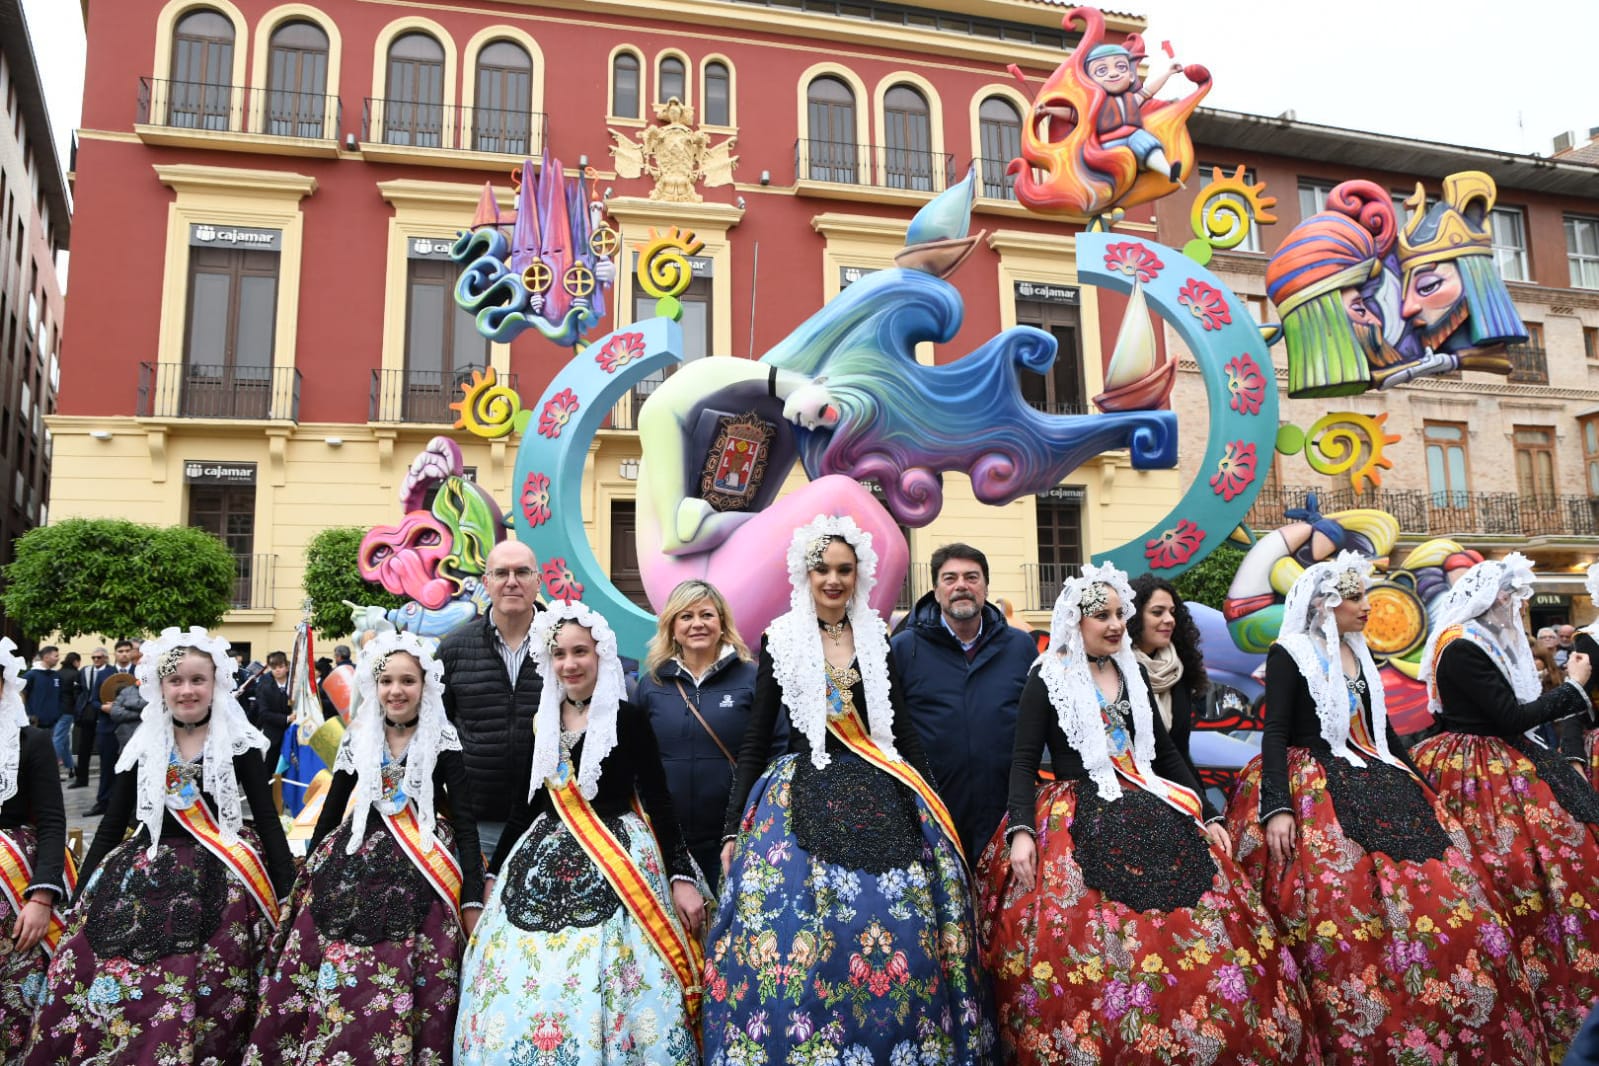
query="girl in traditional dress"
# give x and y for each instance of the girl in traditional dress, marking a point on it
(164, 955)
(845, 926)
(1117, 927)
(588, 951)
(1531, 816)
(369, 958)
(1402, 946)
(33, 840)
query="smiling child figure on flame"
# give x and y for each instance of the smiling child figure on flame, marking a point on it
(845, 926)
(368, 960)
(1368, 876)
(1116, 926)
(1531, 816)
(588, 951)
(172, 927)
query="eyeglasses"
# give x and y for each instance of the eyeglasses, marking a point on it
(521, 573)
(97, 656)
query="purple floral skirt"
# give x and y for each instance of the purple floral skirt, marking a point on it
(368, 964)
(21, 973)
(159, 965)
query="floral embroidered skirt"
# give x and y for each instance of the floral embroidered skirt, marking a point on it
(368, 964)
(1138, 943)
(21, 973)
(559, 974)
(1590, 749)
(844, 929)
(160, 963)
(1398, 937)
(1529, 816)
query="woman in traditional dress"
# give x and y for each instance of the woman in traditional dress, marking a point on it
(1166, 644)
(1117, 927)
(1532, 818)
(369, 959)
(588, 951)
(845, 926)
(33, 842)
(164, 955)
(697, 684)
(1401, 944)
(1580, 735)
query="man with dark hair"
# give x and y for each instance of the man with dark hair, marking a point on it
(86, 710)
(45, 696)
(962, 667)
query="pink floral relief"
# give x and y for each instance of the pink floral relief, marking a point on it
(1175, 546)
(619, 351)
(1206, 303)
(536, 499)
(561, 582)
(1246, 384)
(557, 413)
(1134, 259)
(1235, 470)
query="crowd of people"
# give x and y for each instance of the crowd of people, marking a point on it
(830, 845)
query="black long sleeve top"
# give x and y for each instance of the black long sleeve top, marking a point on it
(756, 748)
(451, 802)
(251, 772)
(38, 803)
(633, 766)
(1292, 722)
(1477, 699)
(1038, 726)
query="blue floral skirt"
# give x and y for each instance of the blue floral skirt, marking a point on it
(817, 961)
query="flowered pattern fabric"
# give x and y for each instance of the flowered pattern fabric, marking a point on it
(815, 963)
(21, 974)
(579, 996)
(1407, 963)
(1590, 748)
(333, 1002)
(1081, 978)
(1543, 863)
(189, 1008)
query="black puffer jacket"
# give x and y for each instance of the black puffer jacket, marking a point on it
(495, 722)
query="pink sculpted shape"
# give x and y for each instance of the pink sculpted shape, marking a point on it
(405, 559)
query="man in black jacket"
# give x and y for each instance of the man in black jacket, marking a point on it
(272, 707)
(491, 689)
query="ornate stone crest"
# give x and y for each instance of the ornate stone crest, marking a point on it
(736, 465)
(676, 155)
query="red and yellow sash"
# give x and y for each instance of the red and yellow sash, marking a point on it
(1180, 797)
(240, 858)
(436, 863)
(681, 952)
(852, 733)
(16, 873)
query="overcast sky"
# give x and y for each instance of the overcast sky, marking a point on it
(1508, 76)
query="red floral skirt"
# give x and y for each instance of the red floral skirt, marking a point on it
(22, 981)
(1589, 745)
(1543, 862)
(1081, 977)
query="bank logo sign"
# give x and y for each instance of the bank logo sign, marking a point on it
(206, 235)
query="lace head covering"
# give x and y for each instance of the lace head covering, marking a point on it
(1072, 692)
(1309, 634)
(1475, 598)
(1592, 628)
(361, 751)
(795, 640)
(228, 736)
(609, 687)
(13, 716)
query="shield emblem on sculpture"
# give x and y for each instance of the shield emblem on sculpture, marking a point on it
(737, 462)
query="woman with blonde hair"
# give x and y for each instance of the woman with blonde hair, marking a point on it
(697, 685)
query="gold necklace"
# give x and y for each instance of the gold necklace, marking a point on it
(835, 629)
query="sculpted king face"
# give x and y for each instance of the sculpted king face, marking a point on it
(1433, 302)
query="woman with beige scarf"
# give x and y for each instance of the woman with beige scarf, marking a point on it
(1166, 644)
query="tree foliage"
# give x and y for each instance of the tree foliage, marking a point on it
(117, 578)
(332, 576)
(1208, 581)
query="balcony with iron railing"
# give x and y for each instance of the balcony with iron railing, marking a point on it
(875, 165)
(175, 111)
(452, 129)
(1042, 582)
(218, 390)
(625, 414)
(1529, 365)
(997, 182)
(1420, 512)
(253, 582)
(422, 397)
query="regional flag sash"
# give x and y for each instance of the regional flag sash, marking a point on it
(435, 863)
(16, 872)
(851, 732)
(682, 953)
(240, 859)
(1179, 797)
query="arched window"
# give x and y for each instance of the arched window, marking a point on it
(908, 138)
(718, 102)
(502, 117)
(297, 81)
(672, 81)
(413, 113)
(830, 144)
(624, 85)
(999, 136)
(200, 92)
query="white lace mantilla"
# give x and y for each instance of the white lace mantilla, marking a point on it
(1475, 598)
(13, 716)
(609, 688)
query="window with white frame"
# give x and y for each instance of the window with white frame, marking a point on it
(1509, 228)
(1313, 196)
(1582, 251)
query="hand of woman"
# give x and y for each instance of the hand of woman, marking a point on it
(31, 924)
(1280, 838)
(1219, 837)
(727, 857)
(690, 906)
(469, 919)
(1023, 858)
(1579, 668)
